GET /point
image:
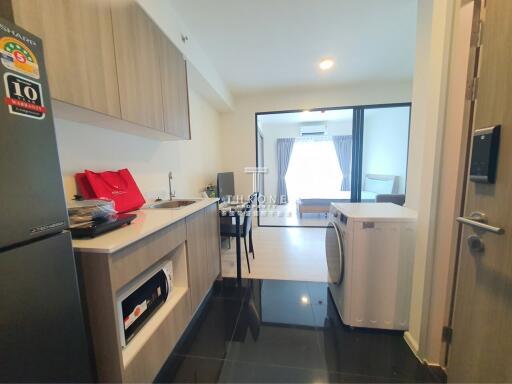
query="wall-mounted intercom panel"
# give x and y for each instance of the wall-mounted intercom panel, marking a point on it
(484, 155)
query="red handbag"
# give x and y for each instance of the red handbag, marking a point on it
(118, 186)
(84, 187)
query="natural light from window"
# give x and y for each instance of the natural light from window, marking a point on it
(313, 169)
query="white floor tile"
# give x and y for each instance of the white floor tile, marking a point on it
(286, 215)
(281, 253)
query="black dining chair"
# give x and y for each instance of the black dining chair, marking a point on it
(229, 229)
(253, 199)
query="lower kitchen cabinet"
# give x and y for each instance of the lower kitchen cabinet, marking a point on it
(203, 252)
(212, 242)
(191, 245)
(196, 257)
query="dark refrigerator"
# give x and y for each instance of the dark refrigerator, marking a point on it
(43, 333)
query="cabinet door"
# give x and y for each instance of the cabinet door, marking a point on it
(212, 242)
(174, 90)
(196, 256)
(79, 50)
(136, 42)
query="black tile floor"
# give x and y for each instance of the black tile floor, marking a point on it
(284, 331)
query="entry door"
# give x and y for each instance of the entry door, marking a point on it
(481, 347)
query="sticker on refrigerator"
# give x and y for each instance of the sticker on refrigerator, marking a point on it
(17, 57)
(24, 97)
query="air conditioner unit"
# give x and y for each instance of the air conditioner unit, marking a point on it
(318, 129)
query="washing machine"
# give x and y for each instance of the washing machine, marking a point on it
(370, 257)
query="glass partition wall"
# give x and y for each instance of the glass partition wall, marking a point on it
(310, 159)
(385, 142)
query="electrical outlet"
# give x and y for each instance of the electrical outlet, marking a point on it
(153, 195)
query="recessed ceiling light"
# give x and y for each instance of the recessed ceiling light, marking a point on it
(326, 64)
(304, 299)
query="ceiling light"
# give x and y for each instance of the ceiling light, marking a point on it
(326, 64)
(304, 299)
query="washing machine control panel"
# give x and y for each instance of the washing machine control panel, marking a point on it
(337, 215)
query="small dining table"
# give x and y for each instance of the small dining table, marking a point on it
(235, 210)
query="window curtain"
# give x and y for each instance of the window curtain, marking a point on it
(343, 147)
(284, 153)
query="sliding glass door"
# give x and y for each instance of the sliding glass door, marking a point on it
(308, 159)
(381, 150)
(337, 155)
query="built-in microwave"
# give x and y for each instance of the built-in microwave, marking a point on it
(141, 298)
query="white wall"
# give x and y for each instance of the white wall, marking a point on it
(451, 183)
(194, 163)
(238, 126)
(420, 96)
(385, 141)
(434, 33)
(271, 132)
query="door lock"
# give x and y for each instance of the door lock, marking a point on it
(475, 243)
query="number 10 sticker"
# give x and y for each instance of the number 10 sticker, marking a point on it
(24, 97)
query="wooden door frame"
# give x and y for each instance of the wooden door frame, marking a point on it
(468, 127)
(480, 302)
(444, 232)
(445, 258)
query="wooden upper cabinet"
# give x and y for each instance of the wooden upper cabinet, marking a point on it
(174, 90)
(79, 50)
(109, 57)
(137, 45)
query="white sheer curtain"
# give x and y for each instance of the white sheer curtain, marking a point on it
(284, 153)
(343, 146)
(313, 170)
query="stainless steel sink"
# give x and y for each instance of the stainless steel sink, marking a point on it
(172, 204)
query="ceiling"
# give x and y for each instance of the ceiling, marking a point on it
(306, 117)
(277, 44)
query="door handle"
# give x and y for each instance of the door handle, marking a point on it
(479, 220)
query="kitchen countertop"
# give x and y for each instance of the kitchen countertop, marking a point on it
(148, 221)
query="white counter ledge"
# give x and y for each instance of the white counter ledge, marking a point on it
(148, 221)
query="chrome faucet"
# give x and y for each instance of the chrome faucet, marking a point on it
(171, 193)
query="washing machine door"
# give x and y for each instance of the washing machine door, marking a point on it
(335, 253)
